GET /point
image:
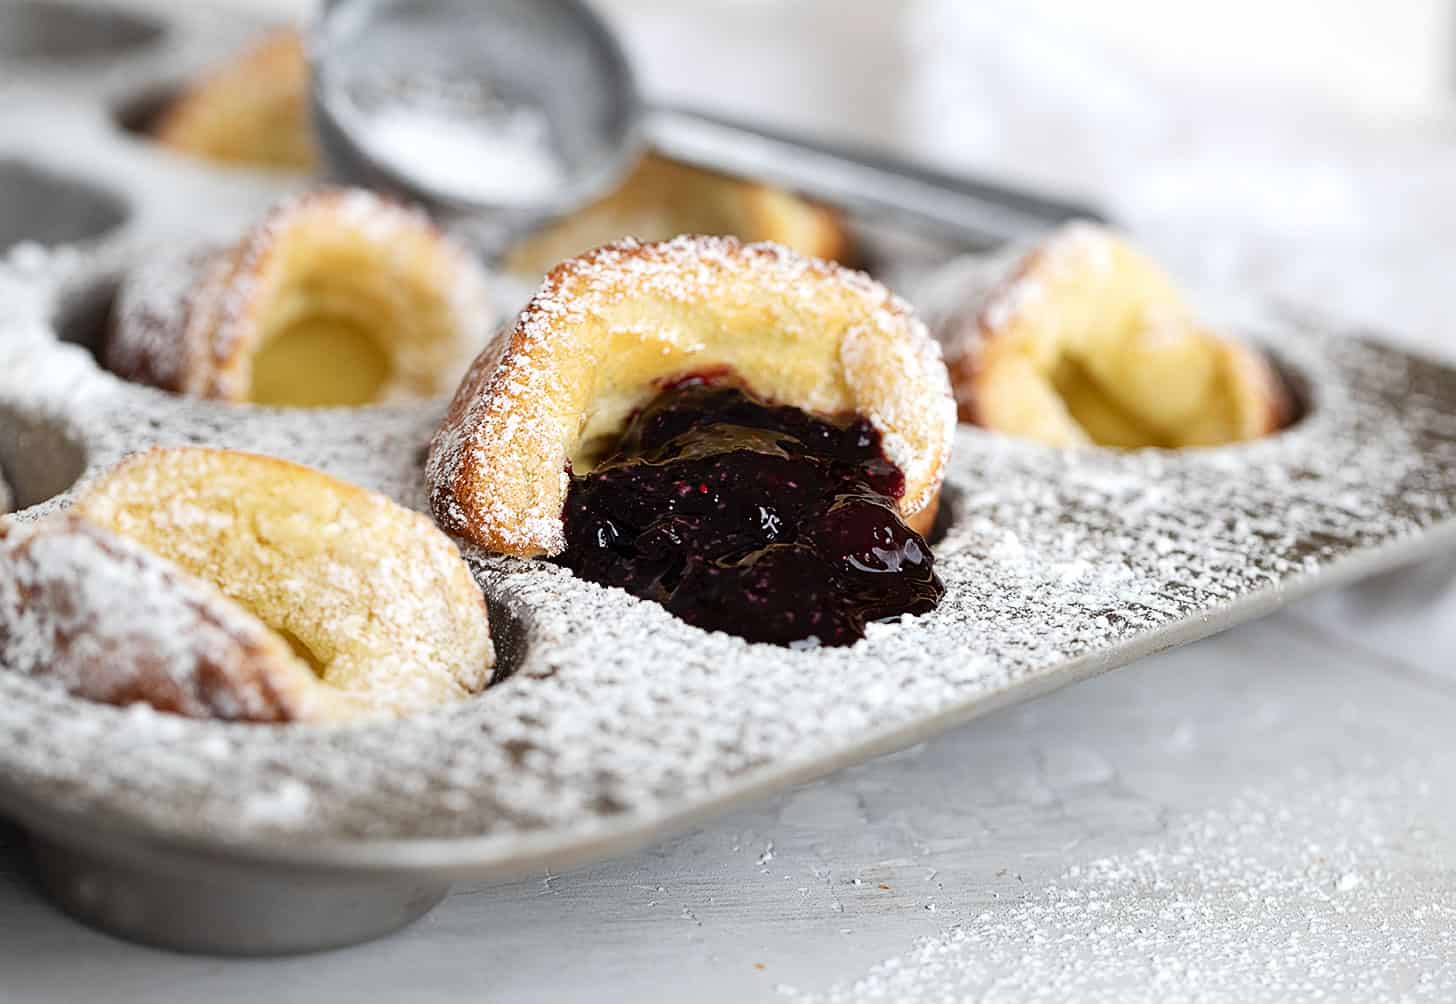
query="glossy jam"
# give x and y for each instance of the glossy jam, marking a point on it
(761, 521)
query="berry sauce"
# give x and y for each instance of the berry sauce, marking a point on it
(755, 519)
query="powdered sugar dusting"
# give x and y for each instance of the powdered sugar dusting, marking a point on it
(497, 467)
(286, 803)
(185, 316)
(942, 294)
(509, 162)
(150, 339)
(375, 592)
(1290, 892)
(106, 619)
(1076, 249)
(615, 715)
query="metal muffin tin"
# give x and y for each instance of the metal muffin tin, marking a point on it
(616, 723)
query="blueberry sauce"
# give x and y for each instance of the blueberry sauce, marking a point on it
(759, 520)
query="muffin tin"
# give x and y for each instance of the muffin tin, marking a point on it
(615, 723)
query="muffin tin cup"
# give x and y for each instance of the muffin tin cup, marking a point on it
(614, 724)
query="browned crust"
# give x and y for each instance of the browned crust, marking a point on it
(965, 351)
(1282, 409)
(964, 374)
(417, 642)
(261, 92)
(967, 336)
(452, 472)
(453, 469)
(237, 674)
(477, 383)
(836, 242)
(832, 239)
(449, 484)
(923, 521)
(676, 193)
(168, 330)
(148, 342)
(185, 324)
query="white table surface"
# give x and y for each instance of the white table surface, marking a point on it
(1267, 815)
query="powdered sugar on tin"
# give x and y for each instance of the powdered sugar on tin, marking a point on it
(614, 715)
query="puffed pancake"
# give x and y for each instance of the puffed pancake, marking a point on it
(662, 198)
(610, 329)
(1087, 341)
(337, 297)
(218, 584)
(251, 110)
